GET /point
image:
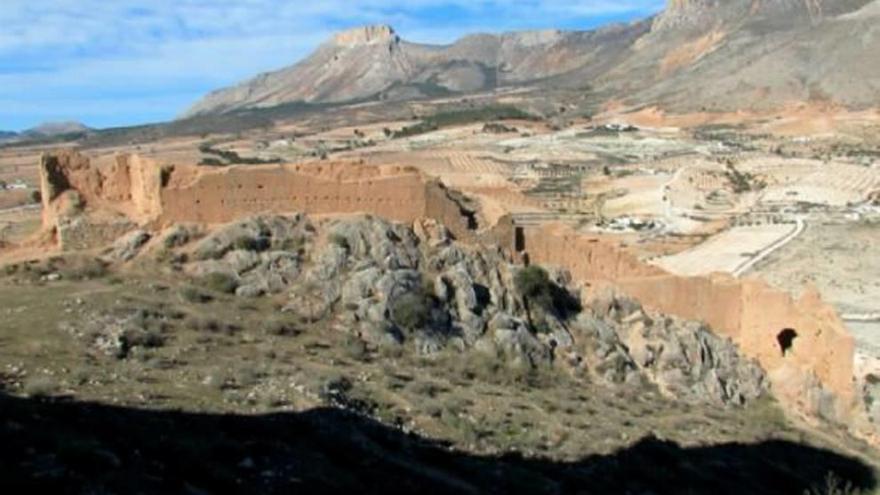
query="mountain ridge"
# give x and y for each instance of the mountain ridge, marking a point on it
(697, 54)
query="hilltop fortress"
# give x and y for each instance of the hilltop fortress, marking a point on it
(131, 190)
(801, 343)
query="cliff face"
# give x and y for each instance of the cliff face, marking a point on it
(695, 55)
(367, 35)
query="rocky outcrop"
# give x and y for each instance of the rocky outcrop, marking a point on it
(814, 374)
(414, 288)
(366, 35)
(684, 358)
(128, 246)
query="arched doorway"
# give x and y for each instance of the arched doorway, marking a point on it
(785, 338)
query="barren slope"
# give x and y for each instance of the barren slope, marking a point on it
(740, 54)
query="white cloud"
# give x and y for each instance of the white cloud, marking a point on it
(91, 50)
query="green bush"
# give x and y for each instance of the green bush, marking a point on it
(339, 240)
(280, 328)
(40, 387)
(411, 310)
(230, 156)
(356, 348)
(535, 286)
(194, 295)
(463, 117)
(212, 162)
(84, 269)
(533, 283)
(246, 243)
(212, 325)
(219, 282)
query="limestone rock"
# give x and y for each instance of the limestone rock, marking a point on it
(128, 246)
(354, 270)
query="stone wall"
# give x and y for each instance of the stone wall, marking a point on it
(227, 194)
(83, 233)
(150, 194)
(748, 311)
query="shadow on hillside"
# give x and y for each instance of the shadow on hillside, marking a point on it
(70, 447)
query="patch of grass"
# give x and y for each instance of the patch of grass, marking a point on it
(194, 295)
(280, 328)
(355, 349)
(833, 485)
(223, 283)
(40, 387)
(83, 269)
(212, 325)
(463, 117)
(228, 157)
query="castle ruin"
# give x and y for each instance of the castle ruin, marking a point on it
(801, 343)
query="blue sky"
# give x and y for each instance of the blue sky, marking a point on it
(124, 62)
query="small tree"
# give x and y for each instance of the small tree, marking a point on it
(534, 284)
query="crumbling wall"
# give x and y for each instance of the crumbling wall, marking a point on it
(223, 195)
(822, 345)
(748, 311)
(145, 177)
(586, 257)
(715, 300)
(84, 233)
(441, 206)
(147, 193)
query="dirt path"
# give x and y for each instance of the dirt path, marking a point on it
(800, 225)
(17, 209)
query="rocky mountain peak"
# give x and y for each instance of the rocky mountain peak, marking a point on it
(692, 12)
(366, 35)
(707, 13)
(535, 38)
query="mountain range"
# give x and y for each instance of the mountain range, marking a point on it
(46, 130)
(695, 55)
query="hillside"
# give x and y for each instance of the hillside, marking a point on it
(50, 129)
(402, 360)
(741, 54)
(374, 62)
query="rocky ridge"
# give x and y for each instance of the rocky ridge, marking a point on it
(414, 289)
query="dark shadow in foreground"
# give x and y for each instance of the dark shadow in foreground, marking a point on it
(70, 447)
